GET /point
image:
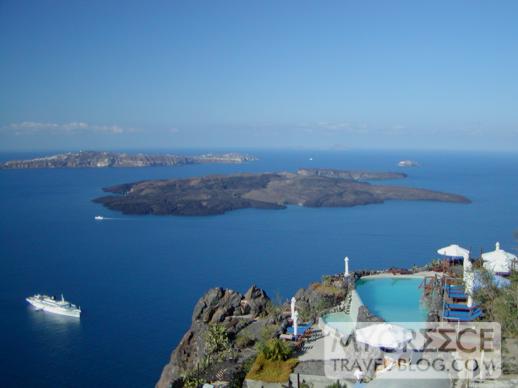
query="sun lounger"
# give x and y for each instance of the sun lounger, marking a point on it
(460, 306)
(455, 290)
(462, 316)
(458, 297)
(454, 287)
(450, 289)
(457, 294)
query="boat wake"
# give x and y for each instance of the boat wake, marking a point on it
(102, 218)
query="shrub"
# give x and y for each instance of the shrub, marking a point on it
(192, 380)
(271, 371)
(217, 342)
(326, 279)
(500, 305)
(275, 350)
(272, 309)
(243, 340)
(268, 332)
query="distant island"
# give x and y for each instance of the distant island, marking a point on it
(101, 159)
(217, 194)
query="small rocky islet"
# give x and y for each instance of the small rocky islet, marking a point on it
(217, 194)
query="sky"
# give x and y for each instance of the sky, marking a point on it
(281, 74)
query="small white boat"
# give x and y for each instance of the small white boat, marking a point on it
(408, 163)
(99, 218)
(52, 305)
(310, 159)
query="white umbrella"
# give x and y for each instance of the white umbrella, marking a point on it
(384, 335)
(498, 261)
(468, 277)
(346, 272)
(466, 264)
(453, 251)
(296, 323)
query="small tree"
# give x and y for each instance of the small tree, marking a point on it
(217, 341)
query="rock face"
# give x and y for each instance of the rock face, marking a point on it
(218, 306)
(365, 317)
(352, 175)
(219, 194)
(319, 297)
(98, 159)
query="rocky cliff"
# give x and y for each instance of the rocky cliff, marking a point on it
(236, 313)
(247, 319)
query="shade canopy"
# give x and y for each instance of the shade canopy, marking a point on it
(384, 335)
(498, 261)
(454, 251)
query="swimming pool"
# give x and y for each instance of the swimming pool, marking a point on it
(339, 321)
(393, 299)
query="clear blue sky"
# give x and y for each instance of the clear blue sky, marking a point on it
(319, 74)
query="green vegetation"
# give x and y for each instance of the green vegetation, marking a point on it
(271, 371)
(217, 342)
(272, 363)
(268, 332)
(192, 379)
(243, 339)
(328, 289)
(312, 312)
(272, 309)
(337, 385)
(275, 350)
(500, 305)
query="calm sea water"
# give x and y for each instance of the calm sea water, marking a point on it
(137, 278)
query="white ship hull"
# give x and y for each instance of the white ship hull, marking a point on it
(39, 305)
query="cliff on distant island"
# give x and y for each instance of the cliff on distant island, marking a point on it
(218, 194)
(99, 159)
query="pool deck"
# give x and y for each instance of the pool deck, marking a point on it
(317, 350)
(314, 349)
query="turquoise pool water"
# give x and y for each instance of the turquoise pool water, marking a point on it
(340, 321)
(393, 299)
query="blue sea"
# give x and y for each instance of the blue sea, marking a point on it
(137, 278)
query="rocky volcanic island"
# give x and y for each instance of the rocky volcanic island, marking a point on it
(218, 194)
(101, 159)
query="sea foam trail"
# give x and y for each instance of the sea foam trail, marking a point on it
(116, 219)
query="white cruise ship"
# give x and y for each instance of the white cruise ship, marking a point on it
(408, 163)
(52, 305)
